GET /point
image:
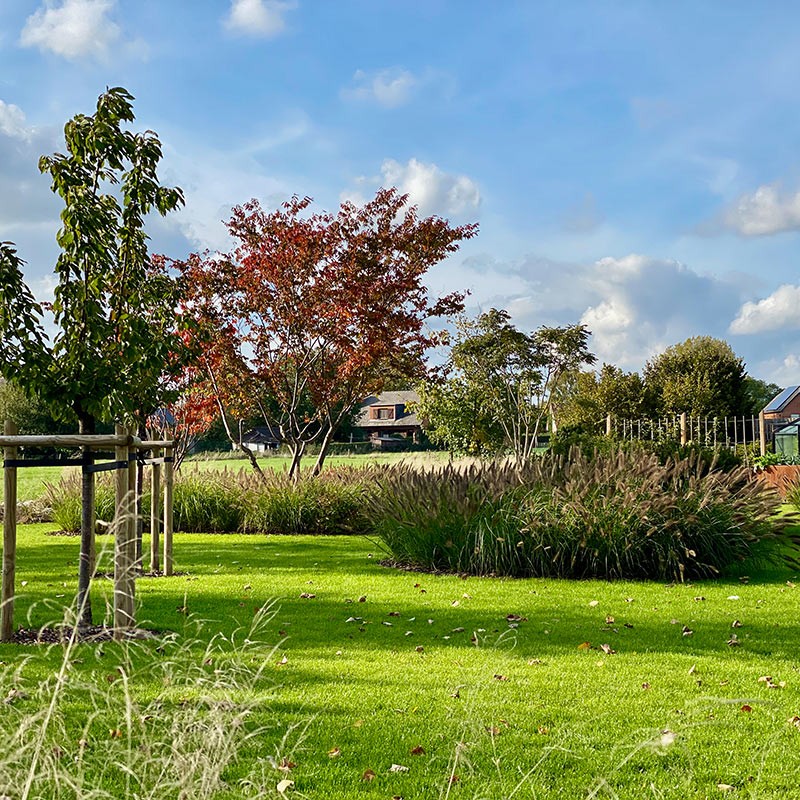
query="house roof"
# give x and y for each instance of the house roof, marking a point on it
(400, 398)
(262, 434)
(780, 401)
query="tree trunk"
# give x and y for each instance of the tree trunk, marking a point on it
(298, 448)
(323, 451)
(86, 425)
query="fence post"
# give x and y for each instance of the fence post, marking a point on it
(169, 474)
(762, 432)
(122, 565)
(608, 424)
(9, 537)
(155, 509)
(684, 438)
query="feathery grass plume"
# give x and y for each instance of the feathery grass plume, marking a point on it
(606, 515)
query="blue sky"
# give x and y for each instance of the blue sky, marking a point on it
(633, 165)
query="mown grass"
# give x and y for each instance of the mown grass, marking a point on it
(525, 711)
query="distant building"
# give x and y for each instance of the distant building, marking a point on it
(385, 419)
(261, 439)
(784, 406)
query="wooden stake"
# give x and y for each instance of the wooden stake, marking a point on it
(683, 428)
(133, 518)
(155, 509)
(122, 619)
(762, 432)
(9, 538)
(169, 476)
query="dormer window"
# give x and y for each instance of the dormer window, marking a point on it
(385, 412)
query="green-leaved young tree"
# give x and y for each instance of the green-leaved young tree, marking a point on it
(501, 383)
(113, 308)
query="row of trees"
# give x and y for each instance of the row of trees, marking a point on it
(501, 386)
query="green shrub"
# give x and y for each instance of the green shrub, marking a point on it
(619, 515)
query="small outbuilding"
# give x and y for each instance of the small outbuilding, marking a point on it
(386, 416)
(784, 406)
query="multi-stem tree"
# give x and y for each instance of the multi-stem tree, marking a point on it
(310, 311)
(509, 376)
(113, 309)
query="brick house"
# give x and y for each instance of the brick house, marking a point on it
(385, 417)
(784, 406)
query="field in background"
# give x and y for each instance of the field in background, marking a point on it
(31, 480)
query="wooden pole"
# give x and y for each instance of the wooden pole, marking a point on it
(155, 510)
(762, 432)
(133, 519)
(683, 428)
(169, 477)
(9, 538)
(122, 619)
(608, 424)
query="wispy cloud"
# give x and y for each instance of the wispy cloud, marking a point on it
(778, 311)
(261, 18)
(765, 212)
(72, 29)
(389, 88)
(429, 187)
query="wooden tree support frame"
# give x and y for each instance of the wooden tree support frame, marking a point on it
(126, 448)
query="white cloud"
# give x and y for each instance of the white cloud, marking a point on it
(764, 212)
(389, 88)
(12, 121)
(72, 29)
(779, 311)
(429, 187)
(265, 18)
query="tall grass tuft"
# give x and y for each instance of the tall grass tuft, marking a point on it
(608, 515)
(92, 733)
(64, 498)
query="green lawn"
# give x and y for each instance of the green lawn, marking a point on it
(599, 690)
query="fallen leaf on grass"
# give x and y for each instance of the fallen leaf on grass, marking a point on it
(394, 613)
(419, 649)
(283, 662)
(307, 596)
(610, 620)
(362, 599)
(516, 618)
(115, 733)
(746, 708)
(493, 730)
(607, 649)
(398, 768)
(419, 750)
(733, 641)
(334, 752)
(593, 603)
(454, 779)
(284, 786)
(498, 677)
(585, 646)
(687, 631)
(795, 720)
(369, 775)
(770, 684)
(285, 764)
(733, 597)
(736, 624)
(725, 787)
(645, 686)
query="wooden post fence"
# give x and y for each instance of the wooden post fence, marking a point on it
(124, 464)
(155, 509)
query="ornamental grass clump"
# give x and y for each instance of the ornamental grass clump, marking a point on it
(617, 515)
(207, 504)
(64, 498)
(330, 504)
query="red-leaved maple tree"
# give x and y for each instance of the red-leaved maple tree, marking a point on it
(310, 311)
